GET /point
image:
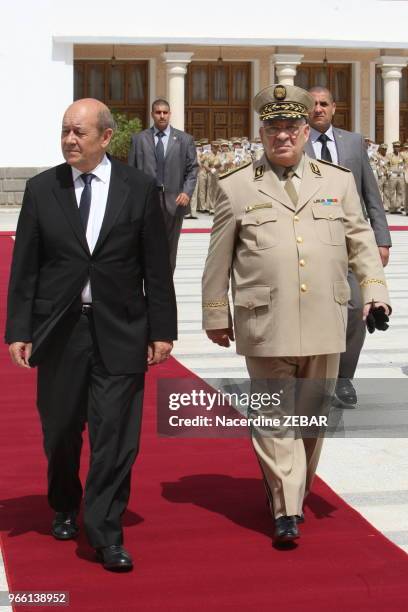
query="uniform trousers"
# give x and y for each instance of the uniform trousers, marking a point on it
(288, 459)
(356, 330)
(74, 388)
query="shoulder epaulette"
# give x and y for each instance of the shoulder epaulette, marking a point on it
(233, 170)
(327, 163)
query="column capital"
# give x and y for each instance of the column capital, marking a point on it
(176, 61)
(288, 58)
(285, 65)
(391, 65)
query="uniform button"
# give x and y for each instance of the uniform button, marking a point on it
(257, 221)
(303, 288)
(299, 239)
(331, 217)
(250, 304)
(302, 262)
(296, 218)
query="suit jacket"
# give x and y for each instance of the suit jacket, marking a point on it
(288, 265)
(352, 154)
(181, 166)
(131, 281)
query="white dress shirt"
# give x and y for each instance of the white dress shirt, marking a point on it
(331, 144)
(100, 189)
(165, 138)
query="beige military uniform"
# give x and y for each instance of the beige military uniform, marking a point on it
(214, 168)
(395, 184)
(202, 181)
(404, 156)
(381, 174)
(287, 266)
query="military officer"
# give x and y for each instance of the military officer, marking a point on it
(285, 231)
(404, 155)
(395, 185)
(194, 197)
(381, 173)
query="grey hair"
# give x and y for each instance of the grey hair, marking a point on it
(105, 120)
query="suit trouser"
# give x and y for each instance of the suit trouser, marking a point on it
(173, 224)
(74, 387)
(288, 461)
(356, 330)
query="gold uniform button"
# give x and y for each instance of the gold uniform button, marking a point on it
(299, 239)
(302, 262)
(331, 217)
(250, 304)
(296, 218)
(303, 288)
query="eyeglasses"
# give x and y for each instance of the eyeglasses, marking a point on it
(273, 130)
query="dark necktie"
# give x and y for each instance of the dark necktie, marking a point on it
(160, 159)
(86, 197)
(289, 185)
(325, 154)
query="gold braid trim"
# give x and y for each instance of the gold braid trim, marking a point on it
(215, 304)
(372, 281)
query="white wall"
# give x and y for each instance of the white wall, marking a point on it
(36, 85)
(36, 47)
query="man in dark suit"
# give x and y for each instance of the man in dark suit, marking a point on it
(91, 302)
(348, 149)
(168, 155)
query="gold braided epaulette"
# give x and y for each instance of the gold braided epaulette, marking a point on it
(372, 281)
(215, 304)
(327, 163)
(233, 170)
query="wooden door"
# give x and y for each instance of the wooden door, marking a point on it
(218, 99)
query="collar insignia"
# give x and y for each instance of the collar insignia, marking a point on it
(315, 169)
(259, 172)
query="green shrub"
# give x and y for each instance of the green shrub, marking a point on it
(120, 144)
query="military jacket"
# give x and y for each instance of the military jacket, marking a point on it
(287, 265)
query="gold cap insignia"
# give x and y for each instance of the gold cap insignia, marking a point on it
(259, 172)
(279, 92)
(283, 102)
(315, 169)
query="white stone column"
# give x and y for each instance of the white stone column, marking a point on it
(391, 67)
(176, 64)
(285, 67)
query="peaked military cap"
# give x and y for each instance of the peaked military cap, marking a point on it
(397, 143)
(283, 102)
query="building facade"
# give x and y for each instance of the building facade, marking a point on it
(207, 60)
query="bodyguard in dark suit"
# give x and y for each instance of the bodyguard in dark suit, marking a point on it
(168, 155)
(91, 303)
(348, 149)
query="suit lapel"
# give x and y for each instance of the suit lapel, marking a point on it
(118, 192)
(269, 184)
(309, 150)
(65, 195)
(150, 141)
(340, 146)
(171, 142)
(311, 182)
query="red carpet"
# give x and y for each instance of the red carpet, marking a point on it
(197, 526)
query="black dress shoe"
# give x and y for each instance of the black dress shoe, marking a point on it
(190, 217)
(300, 518)
(286, 529)
(115, 558)
(345, 395)
(64, 526)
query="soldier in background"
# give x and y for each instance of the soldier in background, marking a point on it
(404, 155)
(395, 184)
(213, 167)
(381, 173)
